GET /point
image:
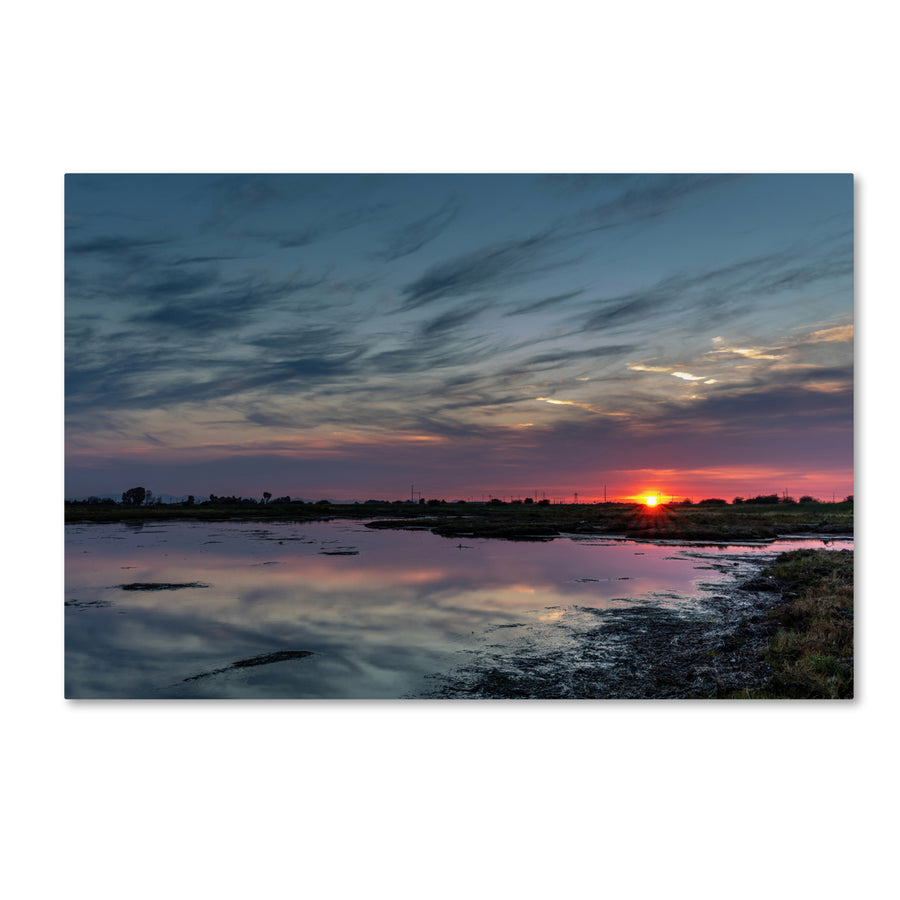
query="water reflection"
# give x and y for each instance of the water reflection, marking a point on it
(351, 612)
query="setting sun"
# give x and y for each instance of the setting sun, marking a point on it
(652, 500)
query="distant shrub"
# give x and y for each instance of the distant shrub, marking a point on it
(807, 499)
(544, 502)
(713, 501)
(738, 501)
(763, 499)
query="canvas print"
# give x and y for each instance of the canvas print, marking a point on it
(459, 436)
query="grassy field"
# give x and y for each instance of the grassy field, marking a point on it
(520, 520)
(811, 654)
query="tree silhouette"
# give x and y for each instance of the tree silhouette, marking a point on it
(134, 496)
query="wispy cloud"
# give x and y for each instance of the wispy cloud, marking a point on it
(113, 246)
(711, 295)
(839, 334)
(649, 197)
(417, 234)
(688, 377)
(556, 303)
(487, 268)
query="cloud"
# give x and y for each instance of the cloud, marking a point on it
(568, 356)
(236, 196)
(417, 234)
(712, 295)
(555, 302)
(451, 320)
(748, 352)
(180, 284)
(489, 267)
(641, 368)
(588, 406)
(224, 304)
(113, 246)
(427, 353)
(838, 334)
(649, 197)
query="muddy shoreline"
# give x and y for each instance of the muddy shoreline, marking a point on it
(710, 647)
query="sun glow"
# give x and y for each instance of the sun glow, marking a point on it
(651, 500)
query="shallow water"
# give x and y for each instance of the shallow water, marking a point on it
(337, 610)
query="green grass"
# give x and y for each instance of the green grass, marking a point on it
(812, 653)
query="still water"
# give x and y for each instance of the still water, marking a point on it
(334, 609)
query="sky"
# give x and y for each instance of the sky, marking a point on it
(353, 337)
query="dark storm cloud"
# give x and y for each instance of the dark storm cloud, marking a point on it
(417, 234)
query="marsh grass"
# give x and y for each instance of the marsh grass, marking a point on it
(520, 521)
(812, 652)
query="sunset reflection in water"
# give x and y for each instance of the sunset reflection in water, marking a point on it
(377, 610)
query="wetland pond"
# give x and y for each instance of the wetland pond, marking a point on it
(335, 610)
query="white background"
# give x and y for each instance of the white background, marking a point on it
(418, 799)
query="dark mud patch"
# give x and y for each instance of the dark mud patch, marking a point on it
(88, 604)
(663, 646)
(347, 552)
(264, 660)
(161, 586)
